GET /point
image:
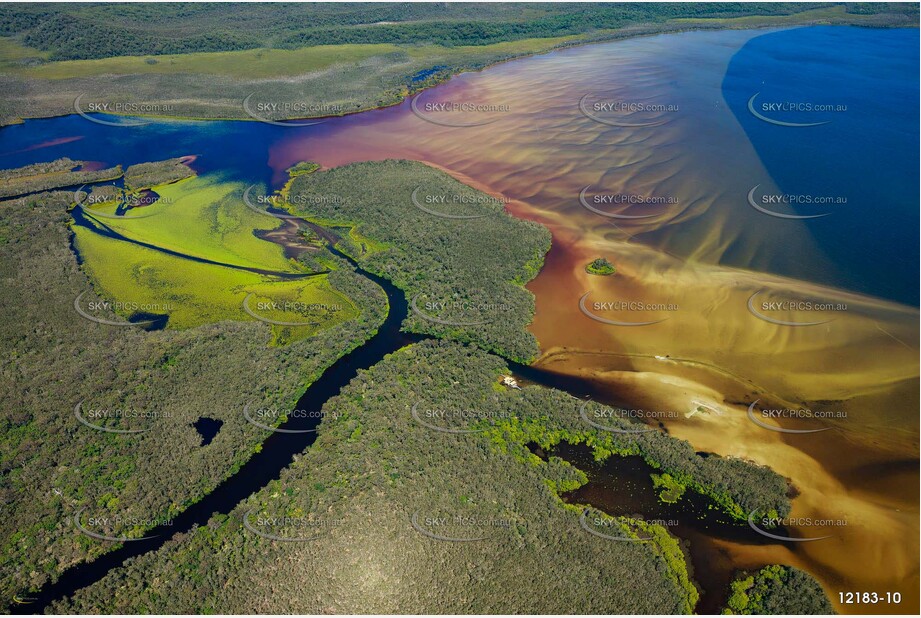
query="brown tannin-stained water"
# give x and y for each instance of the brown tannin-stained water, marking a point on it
(703, 267)
(666, 187)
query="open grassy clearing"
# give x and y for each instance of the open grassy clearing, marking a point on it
(353, 68)
(251, 63)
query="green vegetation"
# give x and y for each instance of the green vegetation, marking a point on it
(53, 359)
(149, 281)
(735, 486)
(671, 488)
(205, 217)
(465, 275)
(304, 167)
(777, 590)
(147, 175)
(101, 31)
(54, 175)
(600, 266)
(254, 63)
(374, 466)
(201, 62)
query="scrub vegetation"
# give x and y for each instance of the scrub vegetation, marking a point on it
(778, 590)
(376, 464)
(147, 175)
(323, 60)
(40, 177)
(464, 276)
(128, 378)
(600, 266)
(100, 31)
(423, 446)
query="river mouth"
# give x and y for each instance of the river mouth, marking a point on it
(298, 432)
(703, 264)
(540, 159)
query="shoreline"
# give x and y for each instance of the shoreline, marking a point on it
(626, 33)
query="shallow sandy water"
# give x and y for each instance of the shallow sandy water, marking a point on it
(703, 256)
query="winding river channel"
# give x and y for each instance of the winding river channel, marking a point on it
(298, 433)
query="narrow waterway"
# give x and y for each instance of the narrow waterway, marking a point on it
(623, 487)
(706, 157)
(278, 451)
(280, 448)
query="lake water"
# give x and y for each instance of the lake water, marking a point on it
(687, 150)
(867, 153)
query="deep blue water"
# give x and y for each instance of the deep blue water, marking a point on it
(238, 149)
(868, 153)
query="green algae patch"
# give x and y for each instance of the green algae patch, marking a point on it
(192, 255)
(138, 280)
(206, 218)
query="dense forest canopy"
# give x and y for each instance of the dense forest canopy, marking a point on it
(101, 30)
(374, 466)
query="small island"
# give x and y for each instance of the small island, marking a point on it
(304, 167)
(600, 266)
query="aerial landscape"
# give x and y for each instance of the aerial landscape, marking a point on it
(460, 308)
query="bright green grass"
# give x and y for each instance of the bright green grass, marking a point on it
(753, 21)
(253, 63)
(206, 218)
(12, 53)
(261, 63)
(193, 294)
